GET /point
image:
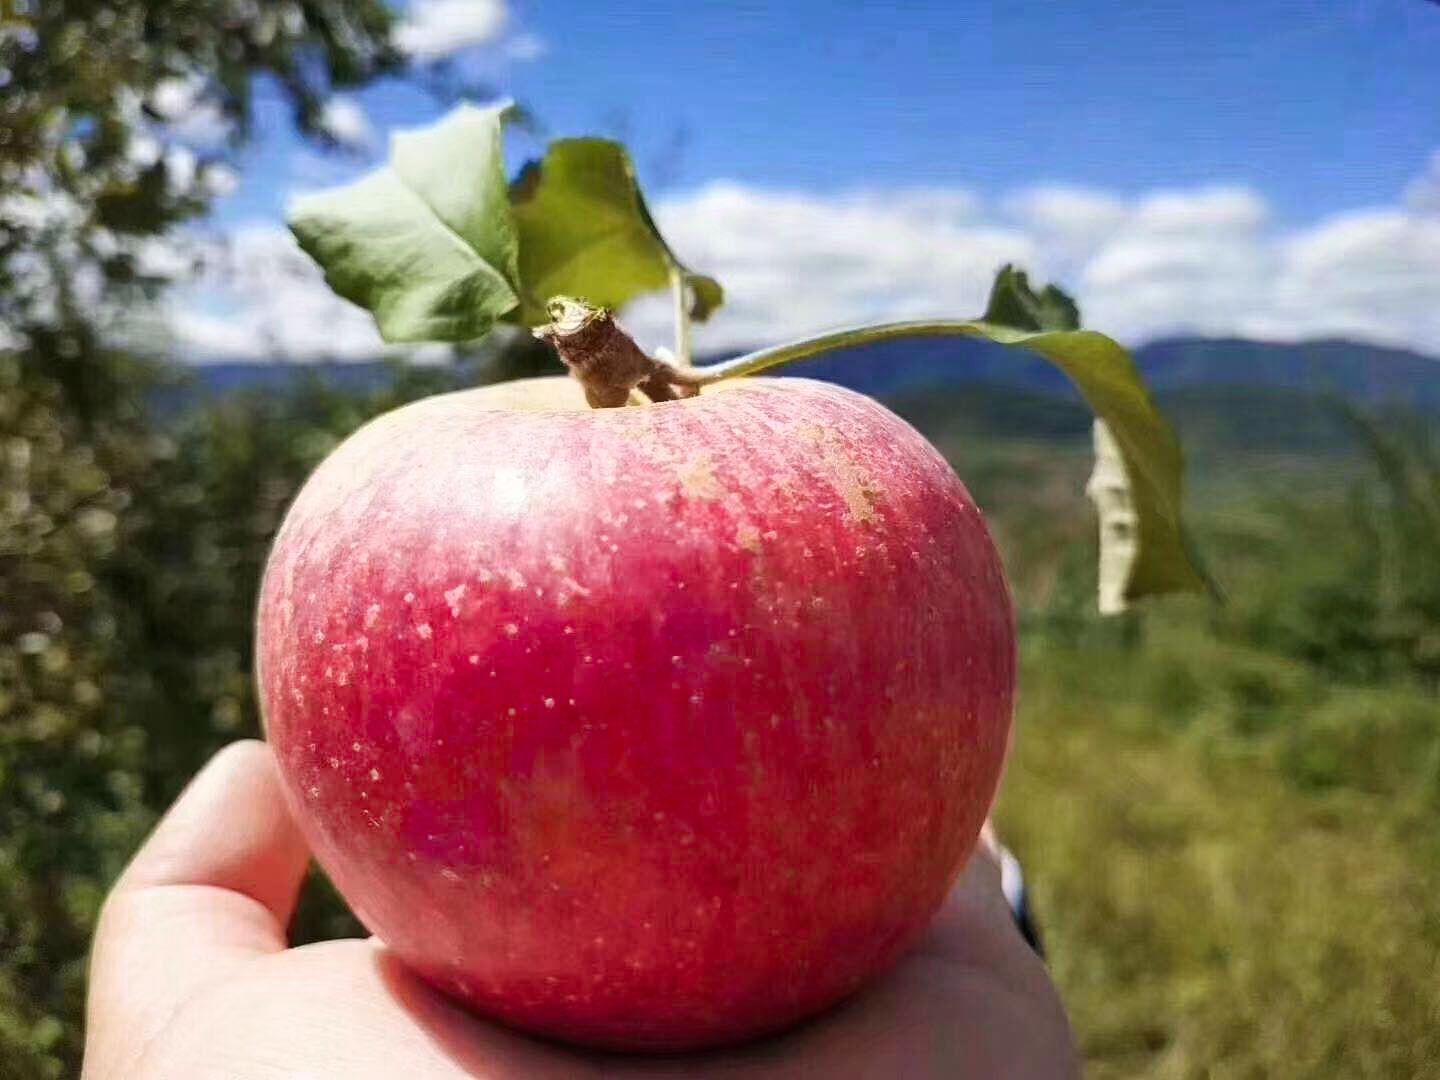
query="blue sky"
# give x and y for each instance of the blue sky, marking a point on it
(1284, 123)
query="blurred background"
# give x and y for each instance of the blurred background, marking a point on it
(1225, 811)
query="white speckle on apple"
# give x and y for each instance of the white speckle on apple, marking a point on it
(509, 491)
(424, 631)
(549, 702)
(453, 598)
(511, 629)
(409, 598)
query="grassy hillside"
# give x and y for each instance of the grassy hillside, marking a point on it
(1226, 812)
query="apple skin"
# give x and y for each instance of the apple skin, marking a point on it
(644, 728)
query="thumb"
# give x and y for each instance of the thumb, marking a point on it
(214, 884)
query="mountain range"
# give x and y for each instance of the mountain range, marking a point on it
(1227, 391)
(1364, 374)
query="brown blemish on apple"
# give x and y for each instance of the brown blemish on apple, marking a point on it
(854, 489)
(697, 478)
(858, 491)
(748, 537)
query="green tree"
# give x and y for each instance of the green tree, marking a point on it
(97, 533)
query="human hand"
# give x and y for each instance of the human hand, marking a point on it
(192, 979)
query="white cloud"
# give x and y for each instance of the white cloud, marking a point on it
(181, 167)
(1068, 222)
(143, 150)
(1192, 261)
(436, 29)
(1206, 260)
(345, 121)
(1373, 275)
(220, 180)
(525, 47)
(1179, 262)
(792, 263)
(260, 297)
(187, 113)
(171, 98)
(1423, 194)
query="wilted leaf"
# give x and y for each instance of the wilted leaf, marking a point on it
(1139, 474)
(1139, 467)
(427, 244)
(585, 231)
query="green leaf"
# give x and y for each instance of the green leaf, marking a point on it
(1014, 303)
(585, 231)
(1138, 481)
(427, 244)
(1139, 470)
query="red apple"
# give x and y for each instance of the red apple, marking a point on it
(650, 727)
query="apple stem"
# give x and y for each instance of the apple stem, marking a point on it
(846, 338)
(606, 360)
(610, 365)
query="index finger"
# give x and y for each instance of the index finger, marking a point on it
(215, 883)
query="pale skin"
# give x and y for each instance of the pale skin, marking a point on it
(192, 977)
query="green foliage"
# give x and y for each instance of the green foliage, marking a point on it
(585, 231)
(430, 244)
(71, 799)
(101, 716)
(85, 147)
(125, 652)
(1154, 555)
(426, 244)
(1226, 812)
(1014, 303)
